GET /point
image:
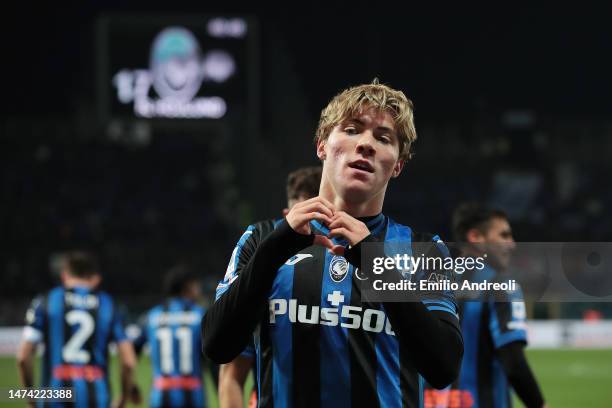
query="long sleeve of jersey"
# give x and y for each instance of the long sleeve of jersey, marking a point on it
(438, 339)
(430, 325)
(228, 325)
(519, 374)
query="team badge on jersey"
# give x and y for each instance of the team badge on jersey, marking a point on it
(338, 268)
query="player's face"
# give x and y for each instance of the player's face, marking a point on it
(194, 290)
(361, 155)
(69, 280)
(500, 242)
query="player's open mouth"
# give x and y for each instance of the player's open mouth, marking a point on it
(362, 165)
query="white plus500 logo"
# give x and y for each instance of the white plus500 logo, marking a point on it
(351, 317)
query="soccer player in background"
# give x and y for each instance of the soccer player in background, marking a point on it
(171, 330)
(302, 184)
(76, 322)
(318, 343)
(493, 325)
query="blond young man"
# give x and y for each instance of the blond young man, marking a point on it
(318, 341)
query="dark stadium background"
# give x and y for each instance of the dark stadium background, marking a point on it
(512, 107)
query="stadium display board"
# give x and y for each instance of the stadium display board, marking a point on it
(177, 68)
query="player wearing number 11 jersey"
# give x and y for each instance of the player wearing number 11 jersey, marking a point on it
(76, 322)
(172, 331)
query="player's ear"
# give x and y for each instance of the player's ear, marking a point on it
(474, 236)
(321, 149)
(397, 169)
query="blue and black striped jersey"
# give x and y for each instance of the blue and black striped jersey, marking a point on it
(76, 326)
(317, 343)
(172, 330)
(488, 323)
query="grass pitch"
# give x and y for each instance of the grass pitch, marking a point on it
(569, 378)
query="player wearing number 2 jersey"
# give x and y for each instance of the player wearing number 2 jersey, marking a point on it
(76, 322)
(172, 330)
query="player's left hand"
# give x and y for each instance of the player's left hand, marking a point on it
(348, 227)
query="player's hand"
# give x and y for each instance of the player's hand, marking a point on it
(135, 395)
(348, 227)
(316, 208)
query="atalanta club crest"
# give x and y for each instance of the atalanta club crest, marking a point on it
(338, 268)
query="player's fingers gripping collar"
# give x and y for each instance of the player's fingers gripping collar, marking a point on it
(320, 207)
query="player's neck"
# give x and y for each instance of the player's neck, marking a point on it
(185, 298)
(367, 208)
(71, 283)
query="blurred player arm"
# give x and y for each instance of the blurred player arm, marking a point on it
(430, 326)
(127, 359)
(508, 331)
(25, 365)
(514, 361)
(232, 377)
(127, 364)
(32, 335)
(241, 298)
(25, 362)
(141, 340)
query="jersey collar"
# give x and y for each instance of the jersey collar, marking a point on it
(374, 223)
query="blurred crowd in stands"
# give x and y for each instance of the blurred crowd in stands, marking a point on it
(144, 209)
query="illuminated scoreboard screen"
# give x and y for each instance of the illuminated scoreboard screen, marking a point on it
(176, 68)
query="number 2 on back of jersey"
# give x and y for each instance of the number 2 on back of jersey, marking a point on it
(73, 351)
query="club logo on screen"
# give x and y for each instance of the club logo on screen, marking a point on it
(176, 64)
(338, 268)
(178, 71)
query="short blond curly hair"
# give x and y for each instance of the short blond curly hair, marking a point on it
(351, 101)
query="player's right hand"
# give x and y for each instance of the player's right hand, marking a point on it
(316, 208)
